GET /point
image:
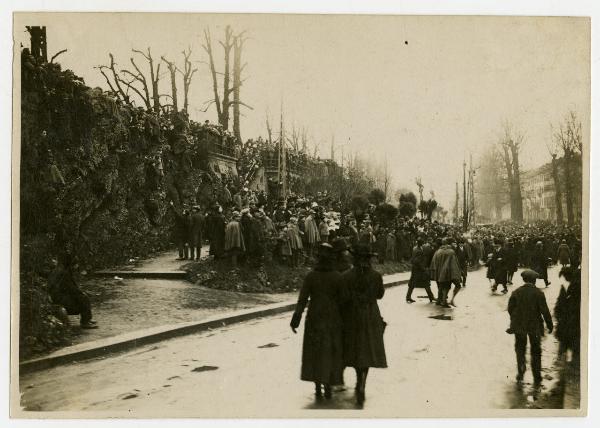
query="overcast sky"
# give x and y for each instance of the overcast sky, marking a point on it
(419, 91)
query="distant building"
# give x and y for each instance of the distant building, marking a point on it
(539, 195)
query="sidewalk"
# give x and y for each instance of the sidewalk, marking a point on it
(152, 297)
(135, 311)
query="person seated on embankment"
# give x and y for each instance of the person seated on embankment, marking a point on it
(65, 291)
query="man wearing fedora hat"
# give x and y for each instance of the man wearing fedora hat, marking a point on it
(196, 233)
(528, 312)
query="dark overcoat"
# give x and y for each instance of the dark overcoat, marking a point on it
(215, 226)
(564, 254)
(512, 259)
(539, 263)
(528, 310)
(419, 273)
(196, 229)
(322, 347)
(363, 324)
(499, 270)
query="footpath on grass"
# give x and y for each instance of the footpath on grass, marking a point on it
(150, 301)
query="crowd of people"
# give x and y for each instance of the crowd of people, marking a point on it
(344, 327)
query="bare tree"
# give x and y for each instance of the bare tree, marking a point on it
(173, 72)
(116, 86)
(187, 73)
(121, 82)
(154, 78)
(553, 151)
(238, 68)
(225, 102)
(568, 139)
(511, 142)
(491, 183)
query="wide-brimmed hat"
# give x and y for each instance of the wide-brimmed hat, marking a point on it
(361, 250)
(529, 275)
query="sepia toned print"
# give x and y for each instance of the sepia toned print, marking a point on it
(246, 215)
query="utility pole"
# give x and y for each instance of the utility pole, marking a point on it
(332, 149)
(420, 186)
(283, 158)
(471, 188)
(465, 213)
(456, 204)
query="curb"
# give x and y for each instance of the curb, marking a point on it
(133, 340)
(142, 274)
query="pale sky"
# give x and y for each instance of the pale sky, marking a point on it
(419, 91)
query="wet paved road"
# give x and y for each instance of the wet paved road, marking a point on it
(435, 366)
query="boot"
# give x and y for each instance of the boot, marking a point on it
(327, 391)
(318, 392)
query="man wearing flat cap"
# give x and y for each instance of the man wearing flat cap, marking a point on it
(528, 312)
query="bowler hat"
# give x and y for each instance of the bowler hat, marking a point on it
(529, 275)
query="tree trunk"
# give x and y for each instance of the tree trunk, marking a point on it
(38, 43)
(511, 182)
(237, 82)
(154, 77)
(557, 192)
(172, 72)
(213, 72)
(224, 120)
(517, 183)
(569, 187)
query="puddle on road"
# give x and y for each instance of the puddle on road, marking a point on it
(205, 368)
(269, 345)
(128, 395)
(442, 317)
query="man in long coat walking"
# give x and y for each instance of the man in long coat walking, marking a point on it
(419, 274)
(528, 312)
(322, 347)
(361, 287)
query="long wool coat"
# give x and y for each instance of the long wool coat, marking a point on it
(539, 263)
(444, 265)
(215, 226)
(564, 254)
(363, 324)
(294, 238)
(233, 237)
(311, 232)
(322, 346)
(499, 269)
(419, 273)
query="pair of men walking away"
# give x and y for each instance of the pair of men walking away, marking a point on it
(343, 327)
(445, 270)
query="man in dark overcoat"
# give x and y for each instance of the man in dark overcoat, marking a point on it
(360, 289)
(540, 262)
(499, 267)
(215, 227)
(182, 231)
(419, 274)
(322, 348)
(528, 312)
(196, 232)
